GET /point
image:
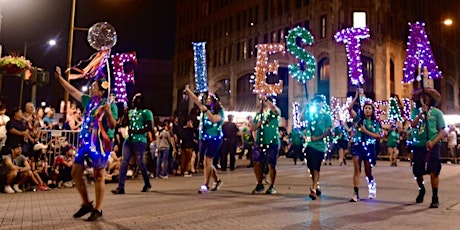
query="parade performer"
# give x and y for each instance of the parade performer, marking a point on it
(428, 130)
(94, 141)
(367, 134)
(318, 128)
(210, 136)
(266, 144)
(139, 121)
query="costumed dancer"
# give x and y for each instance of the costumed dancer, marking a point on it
(140, 122)
(94, 141)
(266, 144)
(210, 136)
(318, 128)
(428, 130)
(367, 133)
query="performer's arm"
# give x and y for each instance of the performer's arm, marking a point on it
(75, 93)
(350, 107)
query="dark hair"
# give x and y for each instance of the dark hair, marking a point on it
(361, 112)
(216, 107)
(99, 84)
(140, 97)
(14, 111)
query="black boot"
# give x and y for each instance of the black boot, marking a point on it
(434, 202)
(420, 196)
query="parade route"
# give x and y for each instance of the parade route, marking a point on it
(174, 203)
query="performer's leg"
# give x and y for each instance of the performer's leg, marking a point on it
(77, 175)
(99, 187)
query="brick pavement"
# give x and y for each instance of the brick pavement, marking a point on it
(175, 204)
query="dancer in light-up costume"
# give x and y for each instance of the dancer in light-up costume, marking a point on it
(94, 141)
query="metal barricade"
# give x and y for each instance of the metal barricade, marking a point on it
(56, 139)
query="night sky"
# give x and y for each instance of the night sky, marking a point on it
(144, 26)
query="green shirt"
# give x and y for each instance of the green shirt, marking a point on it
(319, 124)
(267, 134)
(210, 130)
(393, 137)
(90, 110)
(371, 126)
(296, 137)
(137, 119)
(435, 122)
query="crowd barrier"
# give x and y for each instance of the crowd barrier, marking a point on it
(56, 140)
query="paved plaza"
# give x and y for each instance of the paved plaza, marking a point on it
(175, 204)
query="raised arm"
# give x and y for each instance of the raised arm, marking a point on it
(74, 92)
(350, 107)
(213, 117)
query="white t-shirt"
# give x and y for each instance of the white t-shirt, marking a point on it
(3, 120)
(452, 139)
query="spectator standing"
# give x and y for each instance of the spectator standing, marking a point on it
(452, 143)
(229, 143)
(188, 138)
(3, 120)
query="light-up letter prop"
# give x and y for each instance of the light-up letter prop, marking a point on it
(263, 67)
(306, 68)
(121, 78)
(351, 37)
(199, 57)
(419, 54)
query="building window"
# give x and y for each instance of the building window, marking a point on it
(359, 19)
(280, 35)
(251, 17)
(238, 51)
(244, 95)
(273, 38)
(323, 26)
(298, 4)
(324, 69)
(250, 48)
(245, 20)
(265, 5)
(256, 14)
(287, 8)
(256, 41)
(223, 90)
(449, 92)
(265, 38)
(392, 78)
(238, 21)
(279, 8)
(245, 50)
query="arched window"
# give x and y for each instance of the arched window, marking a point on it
(223, 91)
(324, 74)
(244, 95)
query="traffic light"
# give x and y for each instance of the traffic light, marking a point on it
(39, 76)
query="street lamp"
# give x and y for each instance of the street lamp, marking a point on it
(50, 42)
(448, 22)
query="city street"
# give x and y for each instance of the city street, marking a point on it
(175, 204)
